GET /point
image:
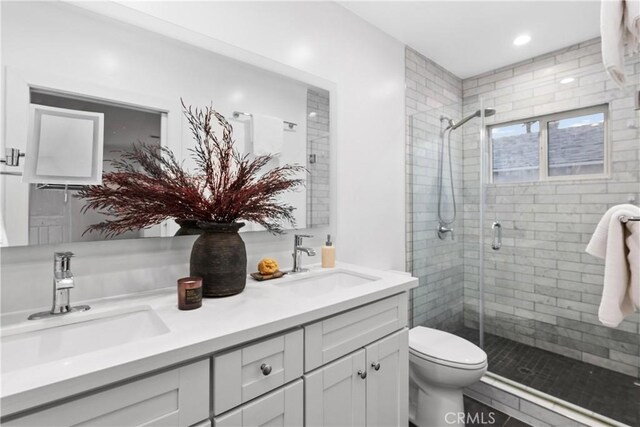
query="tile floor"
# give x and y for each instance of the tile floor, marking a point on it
(600, 390)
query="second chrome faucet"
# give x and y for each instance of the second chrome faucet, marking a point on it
(297, 253)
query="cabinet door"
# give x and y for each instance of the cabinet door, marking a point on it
(388, 381)
(179, 397)
(282, 408)
(335, 393)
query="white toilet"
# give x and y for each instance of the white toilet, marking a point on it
(440, 366)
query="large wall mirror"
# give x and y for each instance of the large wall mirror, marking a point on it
(81, 87)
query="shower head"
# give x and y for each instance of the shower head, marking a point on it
(488, 112)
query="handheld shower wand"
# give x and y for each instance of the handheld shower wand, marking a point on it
(444, 225)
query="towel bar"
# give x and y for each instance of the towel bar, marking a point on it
(624, 219)
(237, 114)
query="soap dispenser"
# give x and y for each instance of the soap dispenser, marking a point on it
(328, 254)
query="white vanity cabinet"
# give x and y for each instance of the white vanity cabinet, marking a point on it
(368, 384)
(346, 369)
(178, 397)
(355, 373)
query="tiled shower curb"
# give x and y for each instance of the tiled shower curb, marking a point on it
(532, 406)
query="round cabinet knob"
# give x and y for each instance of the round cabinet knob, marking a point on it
(375, 366)
(266, 369)
(362, 374)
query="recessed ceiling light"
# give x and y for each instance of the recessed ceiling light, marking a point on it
(566, 80)
(522, 40)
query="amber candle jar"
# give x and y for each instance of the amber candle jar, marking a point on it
(189, 293)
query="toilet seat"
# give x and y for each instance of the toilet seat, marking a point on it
(447, 363)
(445, 349)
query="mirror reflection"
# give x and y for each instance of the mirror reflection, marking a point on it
(88, 64)
(55, 214)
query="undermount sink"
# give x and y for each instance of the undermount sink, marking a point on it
(324, 283)
(49, 340)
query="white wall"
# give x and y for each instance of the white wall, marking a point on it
(319, 40)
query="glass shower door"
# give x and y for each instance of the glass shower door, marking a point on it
(437, 261)
(543, 184)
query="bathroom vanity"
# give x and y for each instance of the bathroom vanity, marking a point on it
(327, 347)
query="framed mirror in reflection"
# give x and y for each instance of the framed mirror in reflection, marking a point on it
(133, 80)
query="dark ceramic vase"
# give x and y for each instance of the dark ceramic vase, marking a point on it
(188, 227)
(220, 258)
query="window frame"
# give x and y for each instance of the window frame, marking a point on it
(543, 145)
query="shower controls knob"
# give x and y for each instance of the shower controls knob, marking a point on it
(375, 366)
(266, 369)
(362, 374)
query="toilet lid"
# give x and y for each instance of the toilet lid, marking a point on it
(445, 346)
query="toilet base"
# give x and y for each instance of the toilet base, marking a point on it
(436, 407)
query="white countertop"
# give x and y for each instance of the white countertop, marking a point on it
(263, 308)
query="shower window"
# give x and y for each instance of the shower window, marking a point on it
(515, 152)
(576, 145)
(567, 145)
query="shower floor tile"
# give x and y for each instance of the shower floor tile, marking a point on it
(600, 390)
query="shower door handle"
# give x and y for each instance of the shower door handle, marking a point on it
(496, 244)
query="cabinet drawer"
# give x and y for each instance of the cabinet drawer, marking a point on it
(179, 397)
(336, 336)
(238, 376)
(283, 407)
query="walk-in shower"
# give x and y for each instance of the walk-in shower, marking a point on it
(545, 163)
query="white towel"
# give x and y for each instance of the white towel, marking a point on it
(267, 135)
(240, 136)
(613, 35)
(619, 245)
(632, 21)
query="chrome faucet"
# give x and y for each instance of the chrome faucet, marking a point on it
(63, 282)
(443, 230)
(297, 253)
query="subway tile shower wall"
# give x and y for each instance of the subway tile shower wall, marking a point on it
(541, 288)
(432, 92)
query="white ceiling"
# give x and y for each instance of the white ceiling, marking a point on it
(472, 37)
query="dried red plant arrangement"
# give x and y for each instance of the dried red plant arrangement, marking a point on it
(149, 185)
